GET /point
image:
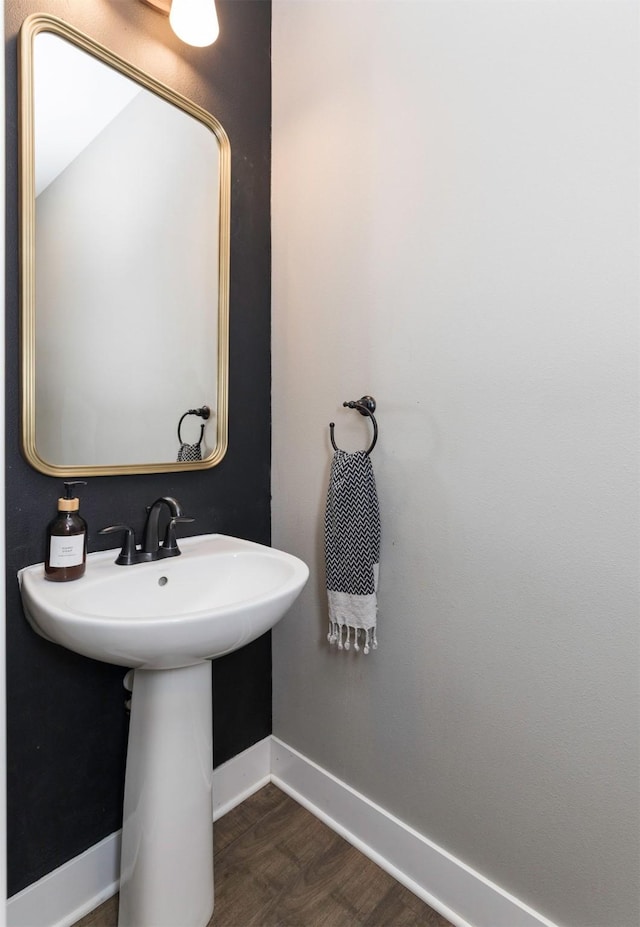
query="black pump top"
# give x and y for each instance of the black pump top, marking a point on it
(68, 487)
(70, 503)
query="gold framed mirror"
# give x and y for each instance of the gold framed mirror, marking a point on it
(125, 190)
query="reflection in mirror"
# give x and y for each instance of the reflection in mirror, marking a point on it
(125, 203)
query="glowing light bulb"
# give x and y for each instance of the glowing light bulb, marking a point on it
(195, 21)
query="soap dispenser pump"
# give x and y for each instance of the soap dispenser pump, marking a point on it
(66, 557)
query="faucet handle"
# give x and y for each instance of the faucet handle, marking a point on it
(127, 556)
(170, 545)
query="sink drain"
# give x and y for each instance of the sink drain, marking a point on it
(163, 581)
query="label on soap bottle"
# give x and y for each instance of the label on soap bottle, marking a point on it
(67, 551)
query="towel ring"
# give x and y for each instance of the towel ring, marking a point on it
(366, 405)
(203, 412)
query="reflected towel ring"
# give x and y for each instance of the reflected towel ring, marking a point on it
(366, 405)
(204, 412)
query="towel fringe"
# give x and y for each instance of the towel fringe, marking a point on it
(340, 634)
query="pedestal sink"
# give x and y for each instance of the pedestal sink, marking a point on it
(167, 619)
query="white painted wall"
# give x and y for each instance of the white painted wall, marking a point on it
(74, 97)
(455, 230)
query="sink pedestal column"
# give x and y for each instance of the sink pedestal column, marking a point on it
(167, 834)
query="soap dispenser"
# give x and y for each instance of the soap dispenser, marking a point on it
(66, 557)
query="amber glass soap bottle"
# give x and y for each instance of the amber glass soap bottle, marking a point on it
(66, 557)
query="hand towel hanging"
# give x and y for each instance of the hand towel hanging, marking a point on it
(352, 551)
(191, 452)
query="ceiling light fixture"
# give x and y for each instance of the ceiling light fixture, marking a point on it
(193, 21)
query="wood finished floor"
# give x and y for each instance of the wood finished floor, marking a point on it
(276, 865)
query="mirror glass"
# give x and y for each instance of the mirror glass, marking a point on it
(125, 254)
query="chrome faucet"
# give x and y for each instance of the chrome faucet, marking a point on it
(151, 549)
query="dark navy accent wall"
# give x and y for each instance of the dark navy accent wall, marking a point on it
(67, 725)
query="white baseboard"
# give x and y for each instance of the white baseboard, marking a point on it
(462, 895)
(459, 893)
(68, 893)
(240, 777)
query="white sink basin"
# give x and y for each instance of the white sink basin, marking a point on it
(218, 595)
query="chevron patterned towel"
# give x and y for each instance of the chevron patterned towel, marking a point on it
(352, 551)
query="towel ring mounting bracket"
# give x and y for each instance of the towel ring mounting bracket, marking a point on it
(366, 405)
